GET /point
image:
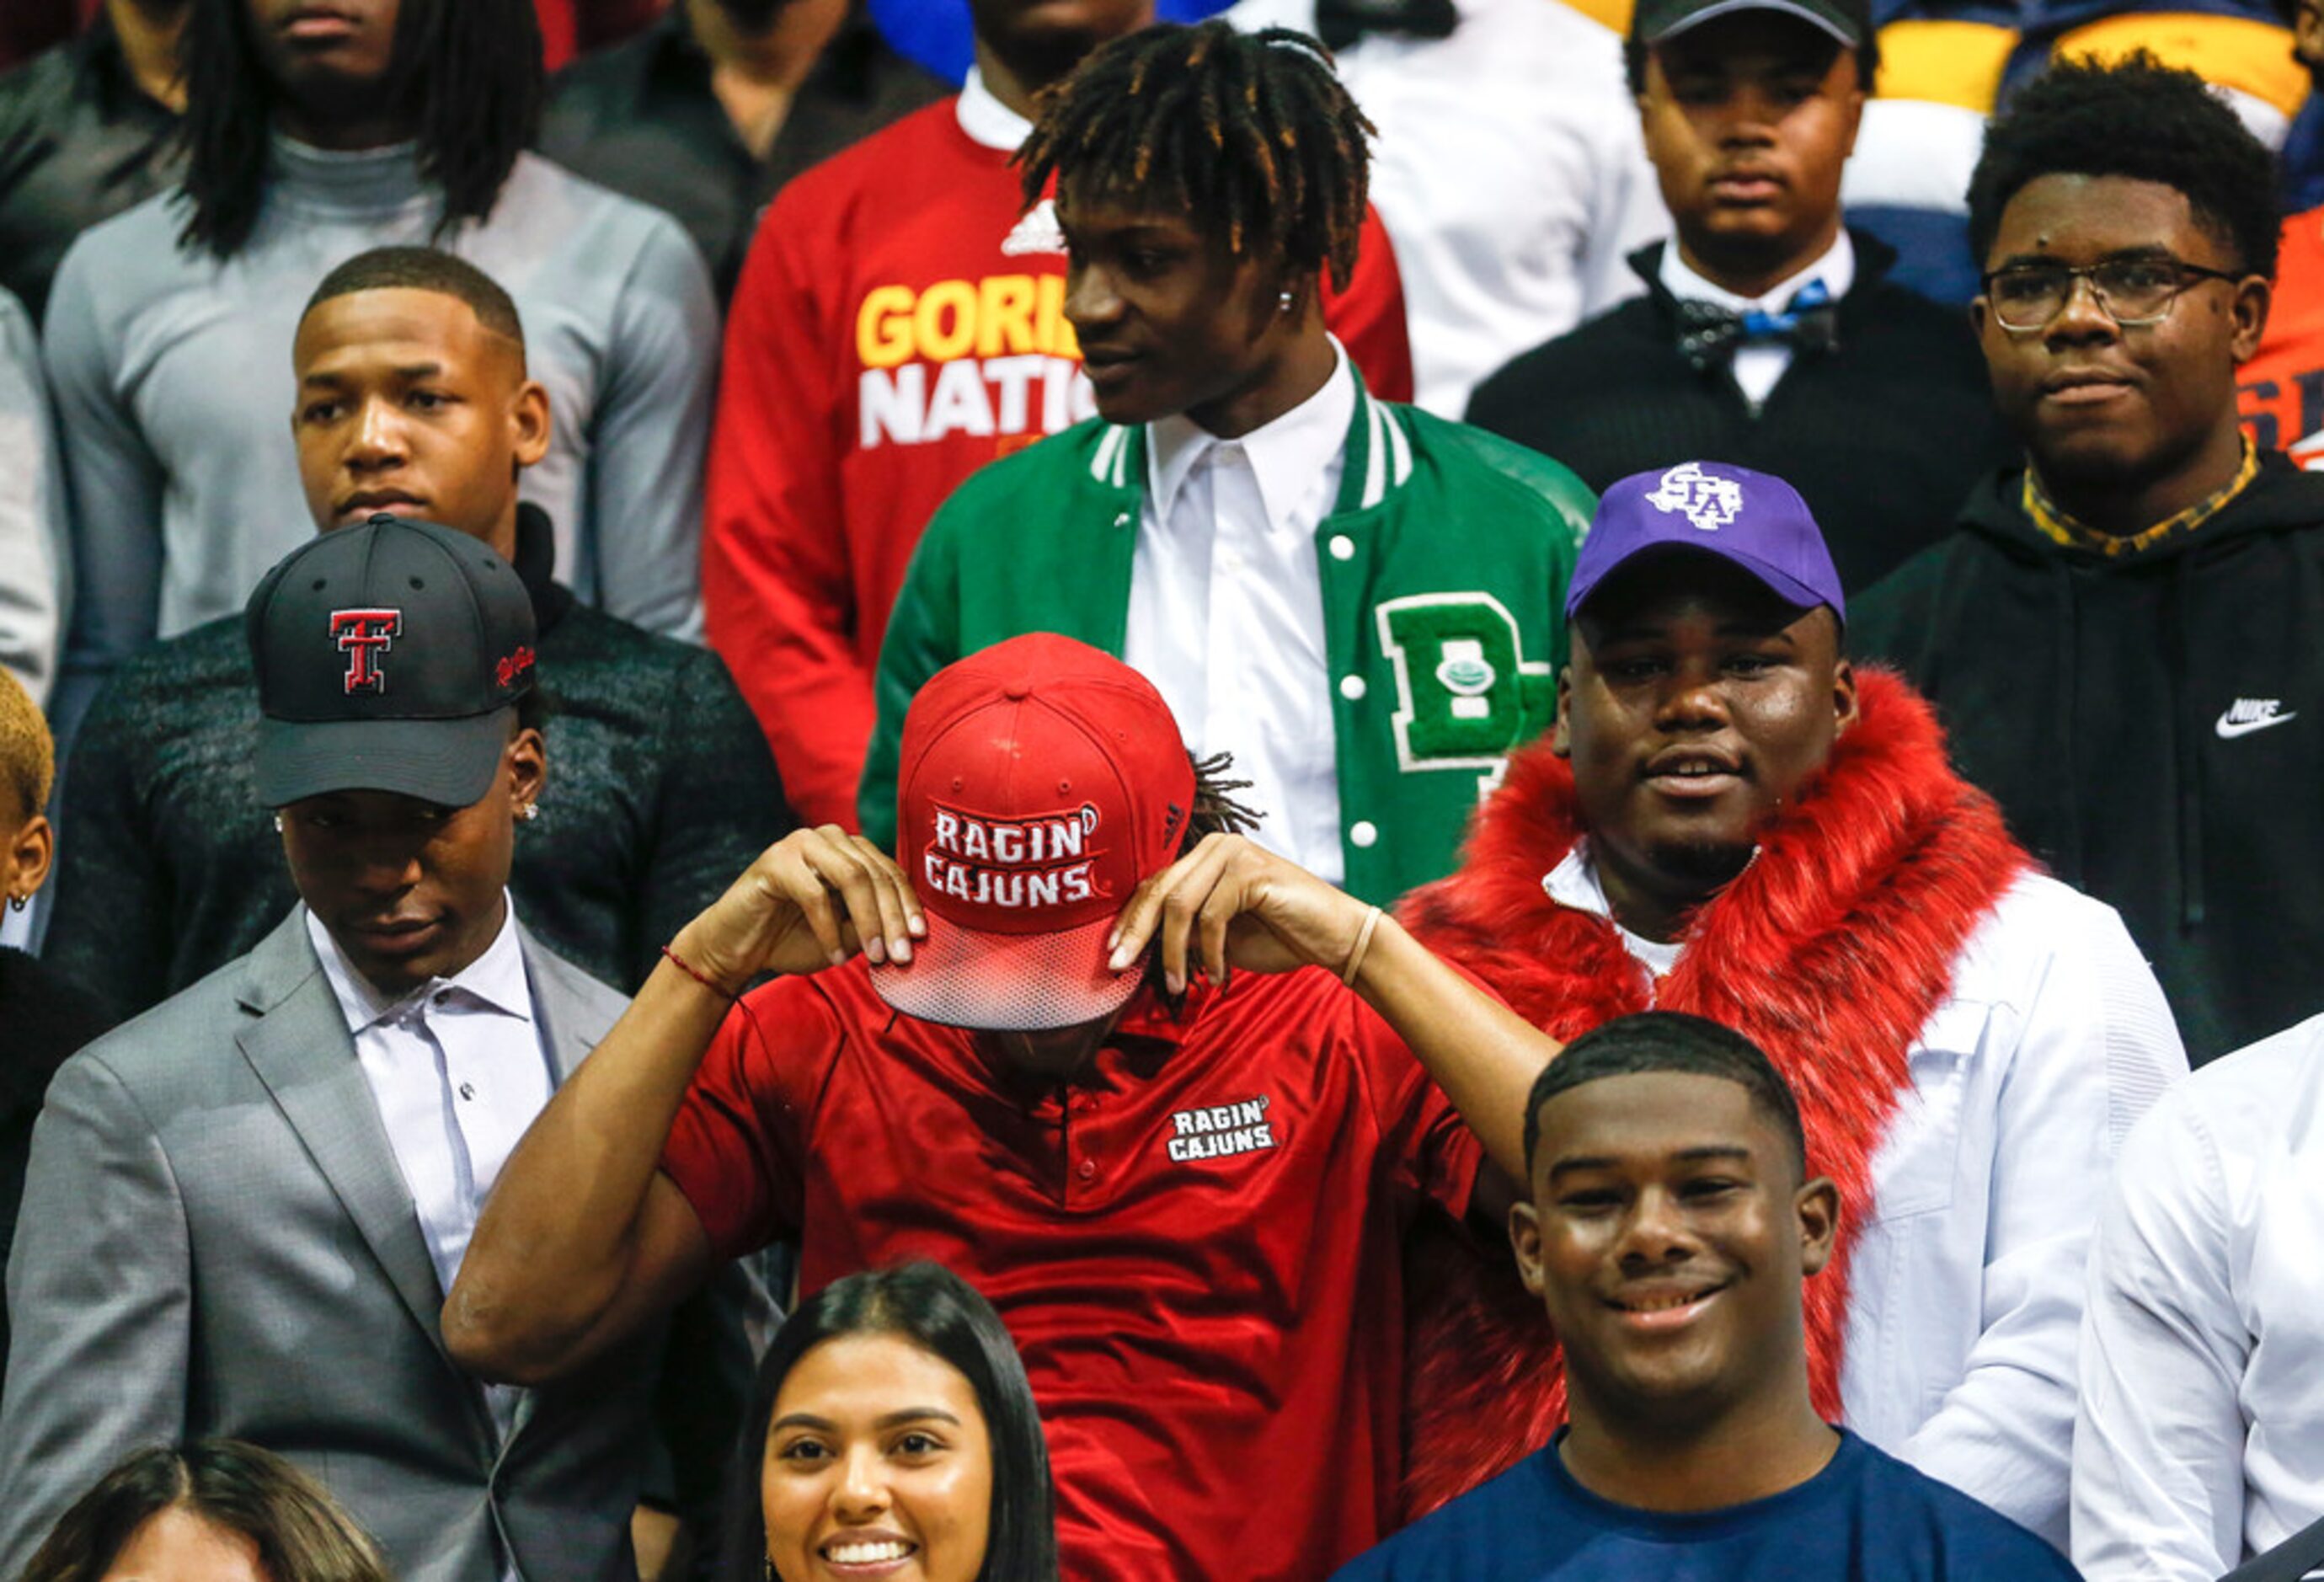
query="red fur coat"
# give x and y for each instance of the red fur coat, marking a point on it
(1830, 951)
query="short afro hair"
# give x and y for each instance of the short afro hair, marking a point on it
(423, 269)
(2138, 118)
(1670, 1041)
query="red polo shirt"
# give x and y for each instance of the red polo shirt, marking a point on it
(1196, 1243)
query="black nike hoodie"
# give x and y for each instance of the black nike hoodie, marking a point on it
(2153, 728)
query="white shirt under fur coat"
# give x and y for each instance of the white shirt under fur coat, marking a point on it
(2200, 1439)
(1966, 1231)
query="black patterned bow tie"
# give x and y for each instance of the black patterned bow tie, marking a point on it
(1708, 333)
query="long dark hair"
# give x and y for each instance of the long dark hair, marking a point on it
(302, 1534)
(941, 1313)
(467, 81)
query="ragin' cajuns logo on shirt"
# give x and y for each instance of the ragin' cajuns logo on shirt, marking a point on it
(1015, 865)
(1221, 1130)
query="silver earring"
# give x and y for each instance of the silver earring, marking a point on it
(530, 811)
(1284, 303)
(278, 823)
(19, 903)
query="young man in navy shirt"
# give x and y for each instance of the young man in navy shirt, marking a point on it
(1672, 1221)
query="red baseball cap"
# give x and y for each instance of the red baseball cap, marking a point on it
(1041, 781)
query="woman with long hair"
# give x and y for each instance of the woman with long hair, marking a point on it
(893, 1419)
(226, 1503)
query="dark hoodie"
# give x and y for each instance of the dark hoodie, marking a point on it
(2153, 726)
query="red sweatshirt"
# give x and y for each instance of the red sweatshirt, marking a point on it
(898, 324)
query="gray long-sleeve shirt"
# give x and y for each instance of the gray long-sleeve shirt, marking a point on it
(32, 511)
(173, 386)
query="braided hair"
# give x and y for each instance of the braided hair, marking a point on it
(1253, 132)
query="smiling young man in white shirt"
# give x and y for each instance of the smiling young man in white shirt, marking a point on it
(1731, 820)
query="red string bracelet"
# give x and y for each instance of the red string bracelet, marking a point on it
(680, 963)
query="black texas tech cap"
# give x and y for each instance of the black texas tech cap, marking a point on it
(388, 658)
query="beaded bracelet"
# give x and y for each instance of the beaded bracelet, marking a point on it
(680, 963)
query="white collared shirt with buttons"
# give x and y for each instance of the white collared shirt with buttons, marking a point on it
(1965, 1277)
(1226, 607)
(2200, 1438)
(458, 1071)
(1760, 366)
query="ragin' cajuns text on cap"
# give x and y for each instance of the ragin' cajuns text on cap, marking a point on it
(1041, 781)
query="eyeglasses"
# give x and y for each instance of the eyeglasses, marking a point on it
(2132, 291)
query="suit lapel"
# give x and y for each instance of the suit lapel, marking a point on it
(568, 1028)
(297, 1041)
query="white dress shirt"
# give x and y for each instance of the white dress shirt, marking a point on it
(2200, 1438)
(458, 1070)
(1509, 172)
(1760, 366)
(1226, 607)
(989, 123)
(1965, 1277)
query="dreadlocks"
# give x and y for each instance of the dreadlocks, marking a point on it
(467, 81)
(1216, 811)
(1253, 132)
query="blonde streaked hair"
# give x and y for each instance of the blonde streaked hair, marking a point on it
(28, 754)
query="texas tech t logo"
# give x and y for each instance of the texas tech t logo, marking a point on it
(1465, 692)
(364, 636)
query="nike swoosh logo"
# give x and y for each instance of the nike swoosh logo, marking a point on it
(2229, 730)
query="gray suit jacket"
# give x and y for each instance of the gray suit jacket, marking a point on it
(216, 1239)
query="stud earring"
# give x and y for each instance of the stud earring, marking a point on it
(529, 811)
(1284, 303)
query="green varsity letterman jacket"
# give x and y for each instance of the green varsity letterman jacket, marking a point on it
(1443, 564)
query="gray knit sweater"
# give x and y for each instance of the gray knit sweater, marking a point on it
(660, 792)
(173, 386)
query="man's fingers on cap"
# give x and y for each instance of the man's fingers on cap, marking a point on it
(844, 867)
(811, 888)
(1134, 929)
(881, 861)
(1198, 873)
(1225, 903)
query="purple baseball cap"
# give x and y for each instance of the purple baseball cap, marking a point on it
(1758, 522)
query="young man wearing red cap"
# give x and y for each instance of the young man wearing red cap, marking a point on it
(1730, 819)
(1186, 1196)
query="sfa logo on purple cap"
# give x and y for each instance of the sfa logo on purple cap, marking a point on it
(1708, 502)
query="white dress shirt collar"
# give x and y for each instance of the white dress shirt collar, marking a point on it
(1836, 268)
(989, 123)
(1573, 884)
(495, 979)
(1287, 454)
